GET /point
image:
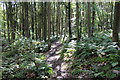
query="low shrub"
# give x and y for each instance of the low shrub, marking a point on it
(22, 60)
(96, 57)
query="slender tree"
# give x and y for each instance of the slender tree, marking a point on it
(4, 24)
(58, 19)
(89, 20)
(77, 20)
(40, 24)
(49, 24)
(7, 18)
(12, 21)
(32, 20)
(69, 20)
(35, 19)
(93, 16)
(45, 22)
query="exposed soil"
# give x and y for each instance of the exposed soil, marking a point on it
(59, 66)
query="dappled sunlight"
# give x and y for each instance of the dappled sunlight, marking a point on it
(60, 40)
(54, 58)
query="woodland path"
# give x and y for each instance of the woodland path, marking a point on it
(59, 66)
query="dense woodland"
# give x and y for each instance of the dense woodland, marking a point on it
(50, 40)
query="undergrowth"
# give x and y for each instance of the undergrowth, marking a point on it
(97, 57)
(23, 59)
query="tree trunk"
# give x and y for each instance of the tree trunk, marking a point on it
(49, 24)
(45, 23)
(32, 20)
(93, 17)
(89, 20)
(116, 22)
(12, 25)
(69, 20)
(77, 20)
(35, 17)
(3, 17)
(58, 19)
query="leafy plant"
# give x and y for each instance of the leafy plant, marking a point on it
(21, 60)
(96, 56)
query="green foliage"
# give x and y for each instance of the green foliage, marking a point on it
(21, 60)
(99, 45)
(97, 56)
(24, 45)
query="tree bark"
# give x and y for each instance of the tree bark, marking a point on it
(89, 20)
(45, 22)
(77, 20)
(49, 24)
(116, 24)
(69, 20)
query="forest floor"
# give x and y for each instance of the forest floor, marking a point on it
(59, 66)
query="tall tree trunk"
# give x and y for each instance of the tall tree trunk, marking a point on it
(116, 22)
(26, 22)
(23, 19)
(69, 20)
(4, 25)
(77, 20)
(40, 24)
(45, 23)
(53, 21)
(93, 16)
(59, 15)
(111, 18)
(49, 24)
(32, 20)
(66, 22)
(57, 19)
(62, 19)
(89, 20)
(12, 21)
(35, 19)
(8, 24)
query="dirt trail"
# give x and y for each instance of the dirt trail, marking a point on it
(57, 63)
